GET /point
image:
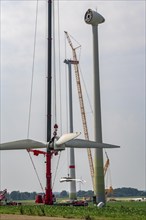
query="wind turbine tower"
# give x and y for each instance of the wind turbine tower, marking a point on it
(72, 193)
(93, 18)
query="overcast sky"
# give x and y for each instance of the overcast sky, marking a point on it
(122, 78)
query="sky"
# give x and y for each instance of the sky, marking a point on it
(122, 81)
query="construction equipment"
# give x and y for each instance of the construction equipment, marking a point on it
(106, 164)
(3, 195)
(3, 199)
(83, 115)
(109, 190)
(75, 62)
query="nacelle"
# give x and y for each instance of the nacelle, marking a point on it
(93, 18)
(58, 147)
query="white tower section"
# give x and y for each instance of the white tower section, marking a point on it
(94, 18)
(72, 193)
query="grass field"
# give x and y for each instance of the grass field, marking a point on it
(113, 210)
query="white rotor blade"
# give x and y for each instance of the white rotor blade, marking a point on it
(79, 180)
(67, 179)
(80, 143)
(23, 144)
(67, 137)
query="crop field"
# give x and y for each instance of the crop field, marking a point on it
(113, 210)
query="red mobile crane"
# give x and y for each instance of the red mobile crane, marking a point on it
(3, 194)
(48, 198)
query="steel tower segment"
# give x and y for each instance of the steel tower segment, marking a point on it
(49, 70)
(72, 193)
(98, 170)
(48, 189)
(94, 18)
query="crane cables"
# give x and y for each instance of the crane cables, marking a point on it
(55, 79)
(56, 39)
(30, 101)
(54, 72)
(59, 62)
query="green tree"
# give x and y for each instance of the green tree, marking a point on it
(15, 195)
(63, 194)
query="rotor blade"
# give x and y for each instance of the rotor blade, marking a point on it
(22, 144)
(67, 137)
(80, 143)
(71, 180)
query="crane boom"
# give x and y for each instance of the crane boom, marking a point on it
(106, 164)
(83, 115)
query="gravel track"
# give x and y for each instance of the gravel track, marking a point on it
(27, 217)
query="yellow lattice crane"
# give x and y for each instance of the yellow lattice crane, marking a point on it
(83, 115)
(84, 121)
(108, 190)
(106, 164)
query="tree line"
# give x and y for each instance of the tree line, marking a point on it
(119, 192)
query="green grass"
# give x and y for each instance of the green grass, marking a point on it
(113, 210)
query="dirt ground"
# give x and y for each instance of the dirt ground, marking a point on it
(26, 217)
